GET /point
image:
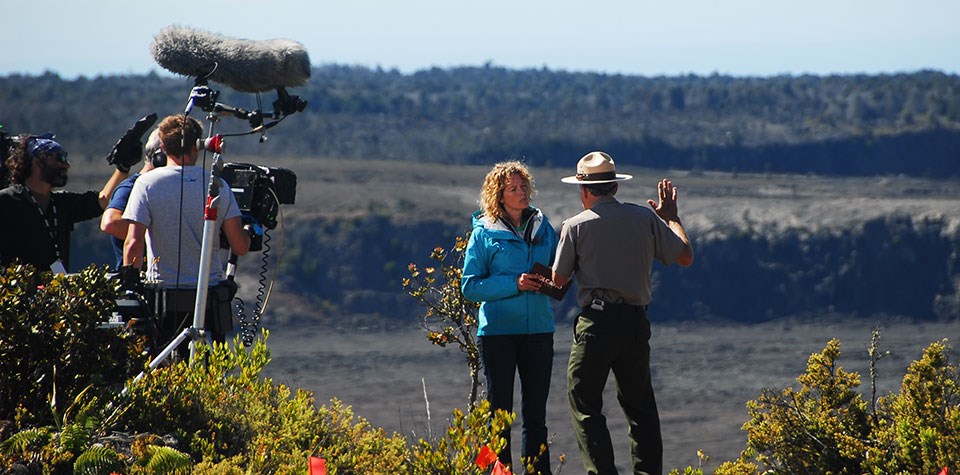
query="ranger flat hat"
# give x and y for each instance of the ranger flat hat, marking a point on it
(593, 168)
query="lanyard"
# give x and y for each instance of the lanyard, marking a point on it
(51, 227)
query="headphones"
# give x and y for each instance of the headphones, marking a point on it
(158, 159)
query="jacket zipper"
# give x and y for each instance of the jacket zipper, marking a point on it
(529, 265)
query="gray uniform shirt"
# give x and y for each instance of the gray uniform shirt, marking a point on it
(155, 202)
(610, 249)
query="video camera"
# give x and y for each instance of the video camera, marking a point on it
(8, 145)
(7, 142)
(260, 191)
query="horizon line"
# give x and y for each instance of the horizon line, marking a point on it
(159, 71)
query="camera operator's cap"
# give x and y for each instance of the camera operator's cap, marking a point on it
(594, 168)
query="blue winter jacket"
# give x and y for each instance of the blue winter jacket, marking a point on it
(494, 259)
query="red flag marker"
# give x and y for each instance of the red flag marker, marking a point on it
(318, 466)
(944, 471)
(485, 457)
(500, 469)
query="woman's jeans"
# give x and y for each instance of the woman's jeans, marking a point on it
(531, 356)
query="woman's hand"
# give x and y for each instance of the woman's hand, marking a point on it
(529, 282)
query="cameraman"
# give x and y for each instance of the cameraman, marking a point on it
(112, 221)
(45, 218)
(166, 216)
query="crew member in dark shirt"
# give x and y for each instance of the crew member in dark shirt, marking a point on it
(40, 218)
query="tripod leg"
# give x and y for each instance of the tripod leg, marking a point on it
(206, 248)
(186, 333)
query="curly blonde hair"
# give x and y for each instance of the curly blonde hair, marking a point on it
(496, 181)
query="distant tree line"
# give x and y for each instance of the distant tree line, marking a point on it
(848, 125)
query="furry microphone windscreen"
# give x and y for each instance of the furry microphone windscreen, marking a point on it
(244, 65)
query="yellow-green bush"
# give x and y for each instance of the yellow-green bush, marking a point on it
(456, 453)
(821, 428)
(224, 408)
(918, 429)
(825, 427)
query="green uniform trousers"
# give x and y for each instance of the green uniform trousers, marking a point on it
(616, 339)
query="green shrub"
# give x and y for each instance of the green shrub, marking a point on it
(825, 427)
(918, 430)
(82, 443)
(224, 408)
(229, 418)
(455, 454)
(61, 378)
(51, 343)
(822, 428)
(351, 445)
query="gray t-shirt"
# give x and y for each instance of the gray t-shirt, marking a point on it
(174, 249)
(610, 248)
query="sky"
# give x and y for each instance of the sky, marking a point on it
(635, 37)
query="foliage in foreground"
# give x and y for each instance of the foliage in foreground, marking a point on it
(221, 416)
(224, 417)
(825, 426)
(52, 345)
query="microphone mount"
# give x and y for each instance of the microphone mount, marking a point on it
(201, 96)
(205, 98)
(287, 104)
(254, 117)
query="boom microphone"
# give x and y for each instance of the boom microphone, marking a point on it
(244, 65)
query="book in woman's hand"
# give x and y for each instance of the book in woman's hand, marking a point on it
(547, 285)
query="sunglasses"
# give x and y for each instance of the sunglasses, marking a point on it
(60, 157)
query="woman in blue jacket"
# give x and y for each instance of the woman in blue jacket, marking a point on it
(516, 325)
